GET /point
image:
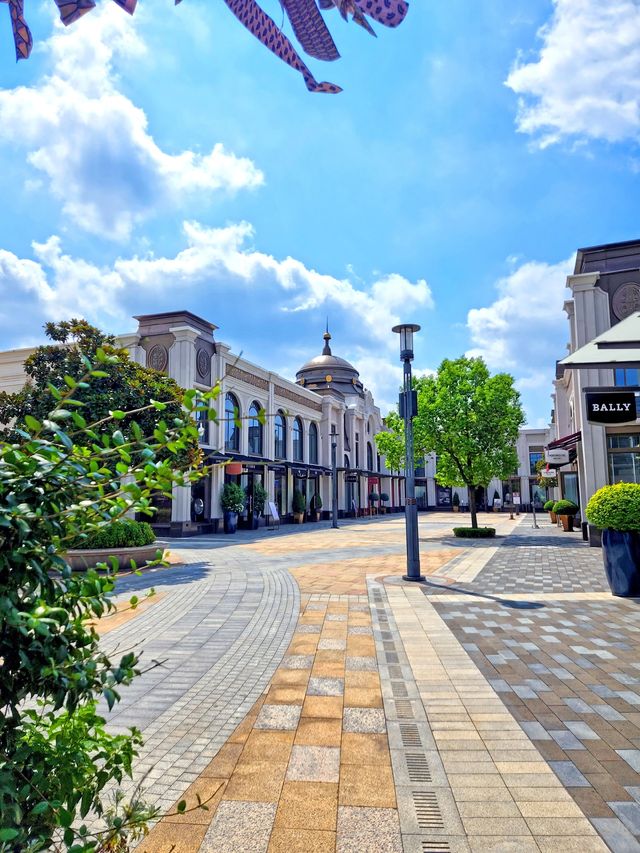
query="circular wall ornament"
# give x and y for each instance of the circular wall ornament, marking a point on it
(158, 357)
(626, 300)
(202, 362)
(328, 377)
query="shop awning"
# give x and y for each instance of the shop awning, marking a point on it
(619, 346)
(567, 442)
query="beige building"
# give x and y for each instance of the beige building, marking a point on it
(600, 437)
(270, 430)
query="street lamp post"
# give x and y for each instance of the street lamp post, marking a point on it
(334, 478)
(408, 410)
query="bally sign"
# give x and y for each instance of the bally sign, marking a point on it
(611, 408)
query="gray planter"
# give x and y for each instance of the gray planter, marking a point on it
(89, 558)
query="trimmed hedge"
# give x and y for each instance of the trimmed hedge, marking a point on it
(474, 532)
(565, 508)
(549, 505)
(124, 533)
(616, 507)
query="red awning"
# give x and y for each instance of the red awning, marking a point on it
(567, 442)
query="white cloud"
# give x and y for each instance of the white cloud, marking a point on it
(92, 143)
(585, 81)
(525, 329)
(215, 261)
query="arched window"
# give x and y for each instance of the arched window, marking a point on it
(231, 420)
(378, 461)
(280, 430)
(256, 419)
(313, 444)
(369, 457)
(298, 453)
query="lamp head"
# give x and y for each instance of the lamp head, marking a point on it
(406, 330)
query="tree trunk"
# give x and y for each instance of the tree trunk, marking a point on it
(472, 506)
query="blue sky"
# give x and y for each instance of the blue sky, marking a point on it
(170, 161)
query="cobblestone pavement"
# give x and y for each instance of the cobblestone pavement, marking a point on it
(500, 713)
(218, 632)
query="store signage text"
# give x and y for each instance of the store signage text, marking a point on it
(556, 456)
(613, 408)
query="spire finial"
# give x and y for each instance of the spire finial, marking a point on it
(327, 337)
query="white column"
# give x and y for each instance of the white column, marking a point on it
(131, 343)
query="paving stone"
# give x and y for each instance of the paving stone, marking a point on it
(283, 717)
(325, 686)
(364, 720)
(333, 644)
(314, 764)
(361, 663)
(368, 830)
(240, 826)
(616, 835)
(297, 662)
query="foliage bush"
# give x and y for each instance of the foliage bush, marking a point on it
(549, 505)
(565, 508)
(373, 497)
(316, 502)
(616, 507)
(62, 477)
(260, 496)
(299, 501)
(124, 533)
(474, 532)
(455, 500)
(384, 497)
(233, 498)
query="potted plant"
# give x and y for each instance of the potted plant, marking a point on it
(548, 507)
(496, 501)
(232, 501)
(384, 497)
(259, 500)
(565, 510)
(455, 502)
(316, 506)
(374, 497)
(616, 511)
(299, 506)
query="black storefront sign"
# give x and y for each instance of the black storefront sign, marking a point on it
(351, 477)
(613, 407)
(443, 495)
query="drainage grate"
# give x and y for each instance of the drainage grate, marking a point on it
(435, 846)
(392, 657)
(404, 709)
(395, 671)
(410, 735)
(389, 646)
(427, 810)
(399, 689)
(418, 767)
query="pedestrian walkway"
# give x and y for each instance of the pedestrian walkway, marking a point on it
(491, 708)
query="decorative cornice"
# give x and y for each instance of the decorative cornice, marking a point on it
(245, 376)
(297, 398)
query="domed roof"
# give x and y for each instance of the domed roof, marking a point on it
(326, 372)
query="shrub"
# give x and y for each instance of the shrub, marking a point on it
(373, 497)
(616, 507)
(259, 498)
(384, 497)
(233, 497)
(474, 532)
(455, 500)
(125, 533)
(565, 508)
(317, 502)
(549, 505)
(61, 479)
(299, 501)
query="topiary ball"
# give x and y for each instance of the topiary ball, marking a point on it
(616, 507)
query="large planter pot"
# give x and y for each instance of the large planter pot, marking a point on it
(456, 507)
(230, 521)
(79, 560)
(567, 523)
(298, 517)
(621, 552)
(553, 517)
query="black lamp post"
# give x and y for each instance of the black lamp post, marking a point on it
(334, 479)
(408, 410)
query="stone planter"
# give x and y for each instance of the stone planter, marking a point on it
(567, 523)
(298, 517)
(79, 560)
(621, 552)
(553, 517)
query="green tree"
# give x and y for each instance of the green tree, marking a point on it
(63, 476)
(127, 386)
(469, 419)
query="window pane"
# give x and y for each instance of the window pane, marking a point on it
(624, 467)
(231, 431)
(534, 457)
(623, 440)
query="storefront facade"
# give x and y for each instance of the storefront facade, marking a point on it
(600, 436)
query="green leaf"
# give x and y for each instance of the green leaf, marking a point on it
(8, 834)
(117, 414)
(181, 807)
(32, 423)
